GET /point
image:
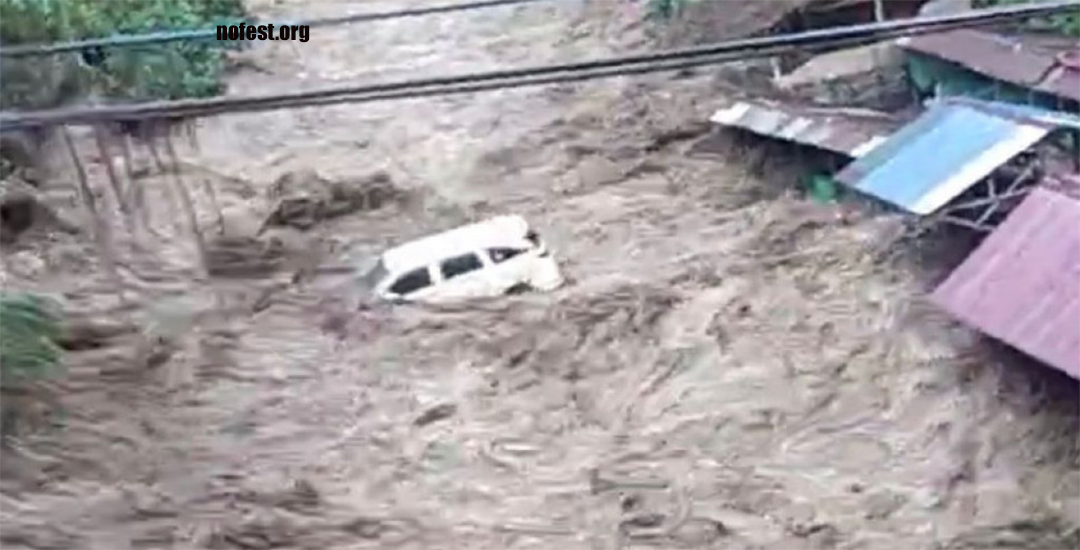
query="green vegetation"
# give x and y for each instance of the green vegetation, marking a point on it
(153, 71)
(1064, 23)
(664, 9)
(29, 326)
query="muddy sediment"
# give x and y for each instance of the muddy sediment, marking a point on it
(731, 367)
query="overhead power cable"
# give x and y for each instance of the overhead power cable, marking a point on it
(568, 72)
(210, 33)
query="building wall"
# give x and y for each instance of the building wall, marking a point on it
(932, 77)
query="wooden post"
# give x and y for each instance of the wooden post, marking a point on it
(187, 203)
(102, 236)
(1075, 135)
(110, 168)
(169, 190)
(208, 186)
(136, 192)
(114, 182)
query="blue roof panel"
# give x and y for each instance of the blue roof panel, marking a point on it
(905, 178)
(952, 146)
(903, 137)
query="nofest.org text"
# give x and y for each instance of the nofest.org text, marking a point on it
(243, 31)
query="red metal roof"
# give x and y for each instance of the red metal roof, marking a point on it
(1031, 62)
(1022, 284)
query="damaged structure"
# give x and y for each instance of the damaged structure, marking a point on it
(1037, 70)
(964, 160)
(989, 153)
(1022, 284)
(992, 144)
(849, 132)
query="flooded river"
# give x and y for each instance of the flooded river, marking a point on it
(731, 367)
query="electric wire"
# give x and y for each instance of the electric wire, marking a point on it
(282, 102)
(210, 33)
(567, 72)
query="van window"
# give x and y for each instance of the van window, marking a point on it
(411, 281)
(499, 255)
(460, 265)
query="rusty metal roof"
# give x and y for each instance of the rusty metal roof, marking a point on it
(1022, 284)
(851, 132)
(1032, 62)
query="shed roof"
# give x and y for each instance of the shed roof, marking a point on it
(1033, 62)
(953, 145)
(1022, 284)
(850, 132)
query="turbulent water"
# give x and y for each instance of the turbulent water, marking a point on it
(731, 367)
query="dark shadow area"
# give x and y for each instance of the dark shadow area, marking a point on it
(1029, 387)
(826, 14)
(16, 216)
(1030, 377)
(766, 157)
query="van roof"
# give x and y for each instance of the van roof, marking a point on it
(497, 231)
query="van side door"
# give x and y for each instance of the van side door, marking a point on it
(464, 276)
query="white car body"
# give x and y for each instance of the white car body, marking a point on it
(484, 259)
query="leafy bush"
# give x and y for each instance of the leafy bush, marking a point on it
(152, 71)
(29, 326)
(664, 9)
(1064, 23)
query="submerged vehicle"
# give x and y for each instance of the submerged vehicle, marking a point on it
(484, 259)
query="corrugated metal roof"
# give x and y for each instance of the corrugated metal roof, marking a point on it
(1022, 284)
(1020, 113)
(953, 145)
(1030, 62)
(847, 131)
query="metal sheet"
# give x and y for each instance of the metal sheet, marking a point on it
(1024, 113)
(848, 132)
(952, 146)
(1022, 284)
(1027, 61)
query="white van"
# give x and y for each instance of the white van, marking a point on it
(484, 259)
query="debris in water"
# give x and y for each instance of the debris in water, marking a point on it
(304, 199)
(435, 414)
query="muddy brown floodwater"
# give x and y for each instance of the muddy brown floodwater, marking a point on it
(731, 367)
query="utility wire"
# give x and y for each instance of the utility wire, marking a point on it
(764, 46)
(210, 33)
(369, 94)
(558, 78)
(568, 72)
